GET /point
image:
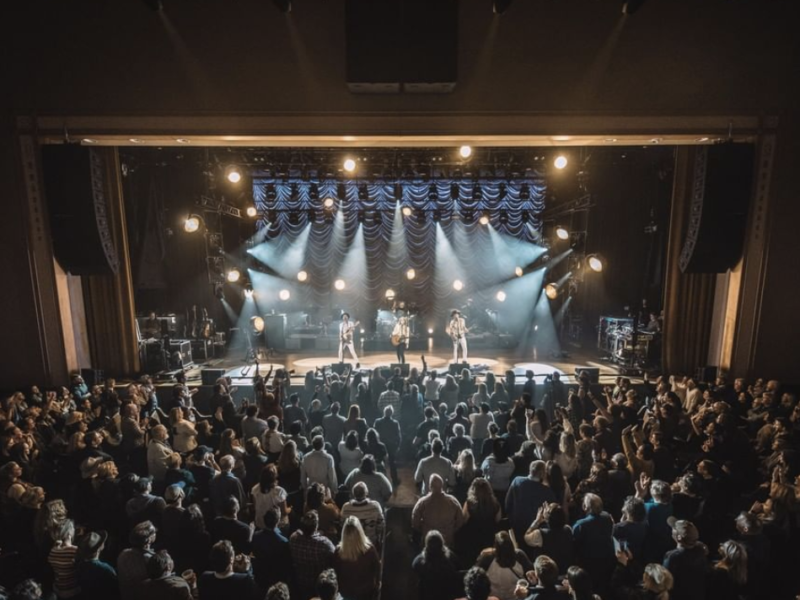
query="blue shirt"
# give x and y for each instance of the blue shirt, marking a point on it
(593, 537)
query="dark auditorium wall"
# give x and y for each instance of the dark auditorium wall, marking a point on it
(569, 58)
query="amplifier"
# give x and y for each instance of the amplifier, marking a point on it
(404, 368)
(210, 376)
(592, 372)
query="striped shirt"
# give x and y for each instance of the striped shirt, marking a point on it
(370, 513)
(62, 560)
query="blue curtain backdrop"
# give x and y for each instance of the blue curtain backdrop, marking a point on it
(465, 249)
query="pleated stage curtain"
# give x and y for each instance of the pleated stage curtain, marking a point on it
(108, 299)
(688, 297)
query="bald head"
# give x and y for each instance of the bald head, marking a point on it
(436, 484)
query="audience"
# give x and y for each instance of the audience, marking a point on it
(672, 491)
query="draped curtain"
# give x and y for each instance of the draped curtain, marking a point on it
(444, 223)
(689, 297)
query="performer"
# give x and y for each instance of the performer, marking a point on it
(400, 335)
(346, 337)
(457, 330)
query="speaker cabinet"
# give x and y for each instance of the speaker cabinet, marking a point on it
(82, 239)
(721, 188)
(395, 45)
(456, 368)
(592, 372)
(404, 368)
(210, 376)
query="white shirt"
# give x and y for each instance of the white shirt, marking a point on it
(317, 467)
(434, 465)
(266, 501)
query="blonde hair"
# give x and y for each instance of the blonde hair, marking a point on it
(657, 579)
(465, 465)
(76, 442)
(734, 561)
(354, 542)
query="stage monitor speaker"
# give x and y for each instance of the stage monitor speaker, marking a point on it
(210, 376)
(592, 372)
(275, 331)
(404, 368)
(456, 368)
(722, 184)
(93, 376)
(340, 367)
(83, 242)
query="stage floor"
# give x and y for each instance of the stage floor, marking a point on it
(484, 360)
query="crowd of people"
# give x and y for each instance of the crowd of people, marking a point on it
(527, 490)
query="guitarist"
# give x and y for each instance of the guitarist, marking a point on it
(400, 335)
(457, 330)
(346, 337)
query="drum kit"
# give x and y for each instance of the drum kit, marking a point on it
(626, 347)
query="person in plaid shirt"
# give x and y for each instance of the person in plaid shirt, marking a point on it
(312, 553)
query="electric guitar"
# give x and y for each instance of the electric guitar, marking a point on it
(454, 333)
(347, 332)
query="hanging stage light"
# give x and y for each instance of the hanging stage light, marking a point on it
(284, 295)
(560, 162)
(595, 263)
(339, 284)
(562, 233)
(390, 294)
(233, 275)
(312, 215)
(454, 191)
(257, 324)
(518, 271)
(433, 193)
(251, 211)
(484, 220)
(349, 165)
(411, 274)
(465, 151)
(302, 276)
(503, 217)
(363, 193)
(328, 203)
(407, 211)
(430, 330)
(313, 192)
(458, 285)
(191, 224)
(233, 174)
(551, 291)
(501, 296)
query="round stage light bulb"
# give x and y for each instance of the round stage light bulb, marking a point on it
(251, 211)
(284, 295)
(560, 162)
(430, 331)
(484, 220)
(191, 224)
(302, 276)
(411, 274)
(349, 165)
(363, 331)
(328, 203)
(501, 296)
(458, 285)
(465, 151)
(407, 211)
(390, 294)
(234, 275)
(339, 284)
(258, 324)
(233, 175)
(551, 291)
(518, 271)
(595, 263)
(562, 233)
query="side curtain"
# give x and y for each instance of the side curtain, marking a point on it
(108, 299)
(688, 297)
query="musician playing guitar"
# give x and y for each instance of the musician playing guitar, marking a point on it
(346, 337)
(457, 330)
(400, 335)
